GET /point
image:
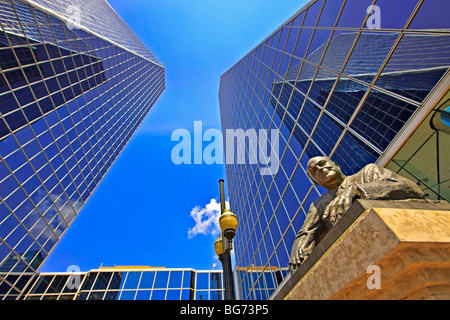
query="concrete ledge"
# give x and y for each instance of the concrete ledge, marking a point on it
(409, 241)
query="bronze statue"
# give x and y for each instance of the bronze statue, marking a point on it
(372, 182)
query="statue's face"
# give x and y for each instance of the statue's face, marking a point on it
(325, 172)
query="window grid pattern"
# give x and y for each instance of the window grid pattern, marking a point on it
(332, 87)
(128, 284)
(69, 102)
(92, 16)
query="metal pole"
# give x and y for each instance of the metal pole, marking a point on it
(227, 247)
(229, 279)
(222, 196)
(227, 275)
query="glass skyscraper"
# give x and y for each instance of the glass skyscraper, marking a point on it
(354, 80)
(75, 83)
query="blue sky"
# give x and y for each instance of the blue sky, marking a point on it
(144, 210)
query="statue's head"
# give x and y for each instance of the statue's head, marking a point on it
(324, 172)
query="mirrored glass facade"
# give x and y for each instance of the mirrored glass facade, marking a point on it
(339, 79)
(122, 283)
(75, 83)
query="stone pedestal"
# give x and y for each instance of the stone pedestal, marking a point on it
(378, 250)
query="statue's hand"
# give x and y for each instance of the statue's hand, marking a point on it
(297, 259)
(334, 211)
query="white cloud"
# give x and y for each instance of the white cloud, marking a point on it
(206, 219)
(48, 207)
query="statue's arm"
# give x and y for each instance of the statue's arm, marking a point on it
(383, 184)
(372, 183)
(306, 238)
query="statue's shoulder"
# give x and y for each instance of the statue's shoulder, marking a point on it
(368, 173)
(372, 166)
(372, 169)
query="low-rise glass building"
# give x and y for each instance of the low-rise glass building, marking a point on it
(127, 283)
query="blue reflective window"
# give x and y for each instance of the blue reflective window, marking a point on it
(298, 21)
(24, 96)
(369, 53)
(317, 46)
(15, 199)
(303, 42)
(354, 13)
(269, 278)
(161, 279)
(273, 226)
(352, 154)
(416, 53)
(327, 133)
(293, 35)
(173, 294)
(32, 112)
(58, 66)
(185, 295)
(143, 295)
(158, 294)
(283, 255)
(202, 281)
(39, 90)
(147, 280)
(8, 103)
(8, 186)
(283, 38)
(309, 116)
(381, 118)
(7, 225)
(57, 99)
(8, 146)
(330, 13)
(345, 99)
(16, 120)
(431, 15)
(4, 172)
(282, 218)
(394, 14)
(175, 279)
(187, 279)
(312, 14)
(127, 295)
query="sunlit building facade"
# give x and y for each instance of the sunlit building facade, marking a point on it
(127, 283)
(75, 83)
(344, 79)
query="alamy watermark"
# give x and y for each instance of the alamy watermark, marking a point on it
(250, 146)
(374, 20)
(374, 280)
(74, 281)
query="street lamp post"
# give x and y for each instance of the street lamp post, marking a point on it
(224, 244)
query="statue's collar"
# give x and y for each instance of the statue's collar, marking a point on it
(334, 191)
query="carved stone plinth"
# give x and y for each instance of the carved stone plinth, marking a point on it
(407, 243)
